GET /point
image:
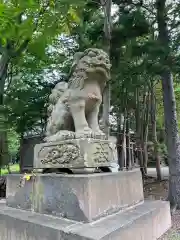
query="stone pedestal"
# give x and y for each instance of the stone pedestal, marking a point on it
(147, 221)
(83, 198)
(81, 207)
(75, 154)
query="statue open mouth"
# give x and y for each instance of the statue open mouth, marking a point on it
(100, 71)
(103, 70)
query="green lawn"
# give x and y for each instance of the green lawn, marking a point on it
(13, 168)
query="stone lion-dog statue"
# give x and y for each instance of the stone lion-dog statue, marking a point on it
(74, 106)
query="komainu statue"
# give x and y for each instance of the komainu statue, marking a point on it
(74, 106)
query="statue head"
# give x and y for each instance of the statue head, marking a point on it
(93, 63)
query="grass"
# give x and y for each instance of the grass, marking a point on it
(13, 168)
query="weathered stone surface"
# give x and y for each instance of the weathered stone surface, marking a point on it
(85, 197)
(16, 224)
(19, 192)
(147, 221)
(75, 153)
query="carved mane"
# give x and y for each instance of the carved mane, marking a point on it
(86, 62)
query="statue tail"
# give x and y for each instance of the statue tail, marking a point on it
(56, 94)
(56, 110)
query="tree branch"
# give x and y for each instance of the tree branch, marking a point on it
(9, 77)
(1, 49)
(24, 45)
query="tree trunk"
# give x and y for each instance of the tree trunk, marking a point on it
(123, 152)
(3, 135)
(106, 109)
(138, 132)
(133, 157)
(128, 144)
(154, 133)
(172, 138)
(107, 4)
(4, 60)
(122, 146)
(144, 136)
(171, 124)
(119, 142)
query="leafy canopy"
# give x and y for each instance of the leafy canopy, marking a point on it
(34, 23)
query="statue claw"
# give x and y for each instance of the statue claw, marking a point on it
(61, 135)
(86, 132)
(99, 134)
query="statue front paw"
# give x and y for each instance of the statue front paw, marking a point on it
(89, 133)
(98, 134)
(61, 135)
(92, 96)
(84, 132)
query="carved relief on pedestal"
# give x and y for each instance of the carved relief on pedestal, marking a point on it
(76, 153)
(101, 153)
(59, 154)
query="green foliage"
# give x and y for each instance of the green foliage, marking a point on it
(163, 151)
(65, 26)
(26, 102)
(12, 168)
(13, 142)
(32, 80)
(33, 26)
(35, 23)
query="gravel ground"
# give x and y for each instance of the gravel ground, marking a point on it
(174, 232)
(159, 190)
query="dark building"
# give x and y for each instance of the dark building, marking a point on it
(27, 152)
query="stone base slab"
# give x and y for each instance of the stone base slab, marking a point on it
(147, 221)
(75, 153)
(83, 197)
